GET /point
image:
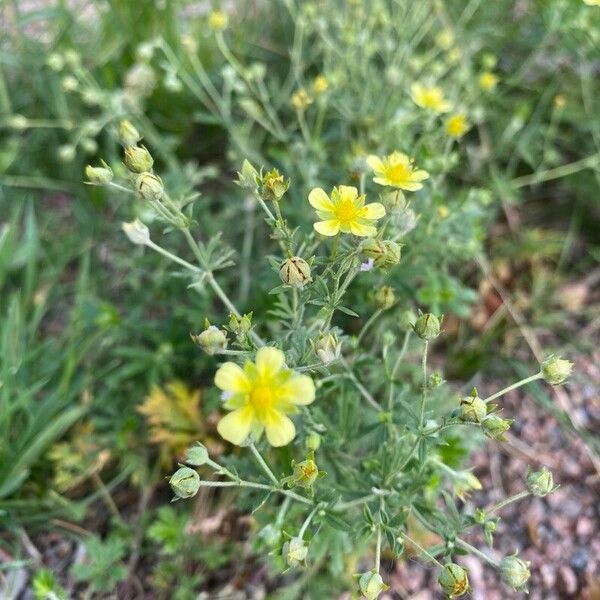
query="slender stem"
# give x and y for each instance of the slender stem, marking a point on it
(378, 549)
(282, 510)
(263, 464)
(257, 486)
(424, 390)
(479, 553)
(556, 173)
(361, 388)
(395, 368)
(507, 501)
(419, 547)
(342, 506)
(514, 386)
(173, 257)
(307, 521)
(368, 324)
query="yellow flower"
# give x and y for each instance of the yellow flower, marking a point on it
(217, 20)
(345, 211)
(431, 98)
(560, 100)
(260, 396)
(445, 39)
(457, 125)
(320, 84)
(488, 81)
(397, 170)
(592, 2)
(301, 100)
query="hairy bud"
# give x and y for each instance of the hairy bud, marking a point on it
(149, 186)
(295, 271)
(472, 408)
(295, 552)
(138, 159)
(556, 370)
(515, 572)
(99, 175)
(371, 585)
(137, 232)
(211, 340)
(274, 186)
(197, 455)
(128, 134)
(453, 579)
(328, 348)
(427, 326)
(185, 482)
(384, 297)
(495, 427)
(540, 483)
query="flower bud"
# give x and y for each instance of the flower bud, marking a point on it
(128, 134)
(427, 326)
(197, 455)
(453, 579)
(313, 442)
(240, 326)
(515, 572)
(149, 186)
(540, 483)
(18, 122)
(56, 62)
(274, 186)
(294, 552)
(295, 271)
(371, 585)
(328, 348)
(556, 370)
(305, 473)
(373, 248)
(185, 482)
(211, 340)
(137, 232)
(248, 176)
(218, 20)
(494, 427)
(99, 175)
(472, 408)
(138, 159)
(384, 297)
(66, 153)
(392, 254)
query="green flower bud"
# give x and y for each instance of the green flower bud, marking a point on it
(375, 249)
(494, 427)
(313, 442)
(556, 370)
(89, 145)
(295, 271)
(137, 232)
(540, 483)
(18, 122)
(56, 62)
(248, 176)
(99, 175)
(66, 153)
(294, 552)
(149, 186)
(453, 579)
(472, 408)
(328, 348)
(128, 134)
(240, 326)
(305, 473)
(427, 326)
(371, 585)
(384, 297)
(197, 455)
(69, 83)
(211, 340)
(392, 253)
(515, 572)
(185, 482)
(138, 159)
(274, 186)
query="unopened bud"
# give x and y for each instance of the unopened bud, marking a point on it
(305, 473)
(241, 325)
(66, 153)
(218, 20)
(128, 134)
(313, 442)
(248, 177)
(197, 455)
(294, 552)
(18, 122)
(392, 254)
(99, 175)
(556, 370)
(453, 579)
(472, 408)
(495, 427)
(427, 326)
(137, 232)
(295, 271)
(328, 348)
(515, 572)
(185, 482)
(211, 340)
(138, 159)
(149, 186)
(384, 297)
(540, 483)
(371, 585)
(274, 186)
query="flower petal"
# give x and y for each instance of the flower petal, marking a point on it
(362, 230)
(235, 426)
(300, 389)
(329, 228)
(269, 360)
(279, 428)
(419, 175)
(375, 162)
(320, 200)
(231, 378)
(347, 192)
(375, 210)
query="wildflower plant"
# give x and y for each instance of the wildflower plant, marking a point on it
(334, 402)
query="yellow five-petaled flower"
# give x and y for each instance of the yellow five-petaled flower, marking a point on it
(429, 97)
(345, 211)
(457, 125)
(260, 396)
(397, 170)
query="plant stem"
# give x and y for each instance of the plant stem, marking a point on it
(507, 501)
(257, 486)
(422, 550)
(361, 388)
(307, 521)
(368, 324)
(378, 549)
(424, 390)
(264, 465)
(514, 386)
(479, 553)
(556, 173)
(395, 369)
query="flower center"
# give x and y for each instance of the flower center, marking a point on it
(346, 211)
(398, 173)
(261, 397)
(431, 98)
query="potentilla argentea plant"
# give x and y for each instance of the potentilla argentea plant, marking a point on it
(361, 425)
